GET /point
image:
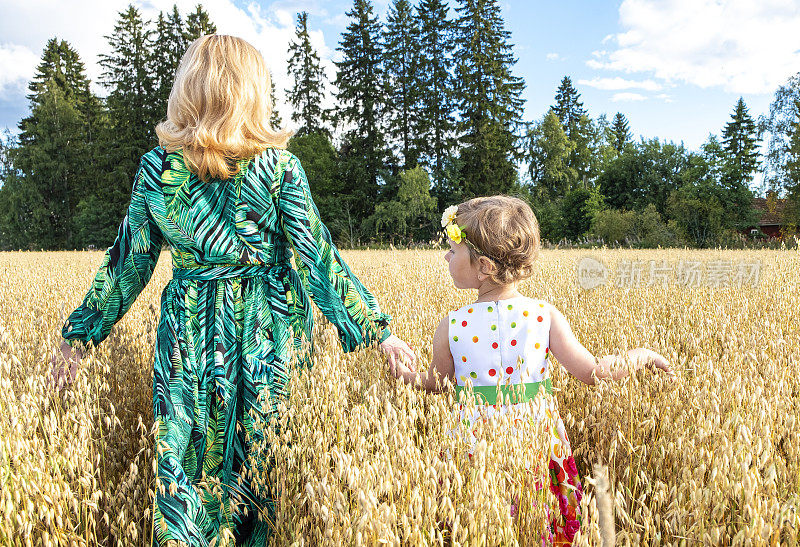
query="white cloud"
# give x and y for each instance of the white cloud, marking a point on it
(17, 67)
(665, 97)
(26, 27)
(625, 96)
(739, 45)
(618, 83)
(553, 57)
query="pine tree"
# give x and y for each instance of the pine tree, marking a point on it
(741, 144)
(127, 73)
(621, 131)
(489, 99)
(308, 91)
(568, 107)
(198, 23)
(55, 155)
(169, 46)
(549, 151)
(361, 96)
(436, 115)
(401, 62)
(274, 118)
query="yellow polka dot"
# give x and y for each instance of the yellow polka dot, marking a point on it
(541, 305)
(537, 346)
(525, 313)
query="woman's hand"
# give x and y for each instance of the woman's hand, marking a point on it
(397, 350)
(61, 374)
(653, 360)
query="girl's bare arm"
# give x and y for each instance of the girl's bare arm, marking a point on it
(441, 366)
(580, 362)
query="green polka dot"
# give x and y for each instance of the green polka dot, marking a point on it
(463, 379)
(455, 338)
(491, 309)
(494, 327)
(452, 321)
(510, 306)
(473, 374)
(513, 325)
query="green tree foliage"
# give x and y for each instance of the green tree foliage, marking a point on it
(169, 45)
(621, 132)
(779, 125)
(548, 152)
(198, 23)
(436, 122)
(489, 97)
(275, 119)
(411, 213)
(401, 59)
(54, 161)
(792, 168)
(575, 213)
(309, 82)
(319, 160)
(741, 145)
(568, 107)
(359, 82)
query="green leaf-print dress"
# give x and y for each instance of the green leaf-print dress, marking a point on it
(231, 316)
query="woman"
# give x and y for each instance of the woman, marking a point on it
(232, 204)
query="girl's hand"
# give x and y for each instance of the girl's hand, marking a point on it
(653, 360)
(396, 350)
(60, 375)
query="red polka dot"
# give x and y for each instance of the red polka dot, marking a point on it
(542, 371)
(509, 370)
(463, 323)
(513, 342)
(539, 319)
(494, 345)
(469, 310)
(464, 359)
(546, 350)
(492, 372)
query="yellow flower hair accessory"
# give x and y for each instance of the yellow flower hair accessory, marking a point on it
(453, 230)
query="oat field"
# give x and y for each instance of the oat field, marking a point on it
(710, 458)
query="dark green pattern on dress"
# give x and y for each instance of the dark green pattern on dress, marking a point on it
(232, 316)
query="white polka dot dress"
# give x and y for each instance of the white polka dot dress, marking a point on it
(510, 340)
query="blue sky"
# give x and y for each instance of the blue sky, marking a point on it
(675, 68)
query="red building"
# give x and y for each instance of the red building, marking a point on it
(772, 221)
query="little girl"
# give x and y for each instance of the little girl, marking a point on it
(506, 335)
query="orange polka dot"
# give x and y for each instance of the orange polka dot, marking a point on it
(475, 339)
(464, 359)
(540, 319)
(542, 371)
(538, 345)
(469, 310)
(525, 313)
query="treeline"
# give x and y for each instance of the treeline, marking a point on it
(427, 113)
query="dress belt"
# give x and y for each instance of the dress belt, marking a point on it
(515, 393)
(211, 272)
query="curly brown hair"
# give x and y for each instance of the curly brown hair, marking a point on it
(503, 229)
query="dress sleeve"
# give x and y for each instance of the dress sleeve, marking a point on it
(124, 272)
(335, 289)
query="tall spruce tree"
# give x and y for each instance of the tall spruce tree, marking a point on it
(436, 122)
(169, 46)
(489, 99)
(275, 119)
(198, 23)
(55, 155)
(741, 141)
(401, 64)
(127, 73)
(621, 131)
(308, 89)
(568, 107)
(359, 81)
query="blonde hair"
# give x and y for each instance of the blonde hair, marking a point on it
(219, 107)
(505, 230)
